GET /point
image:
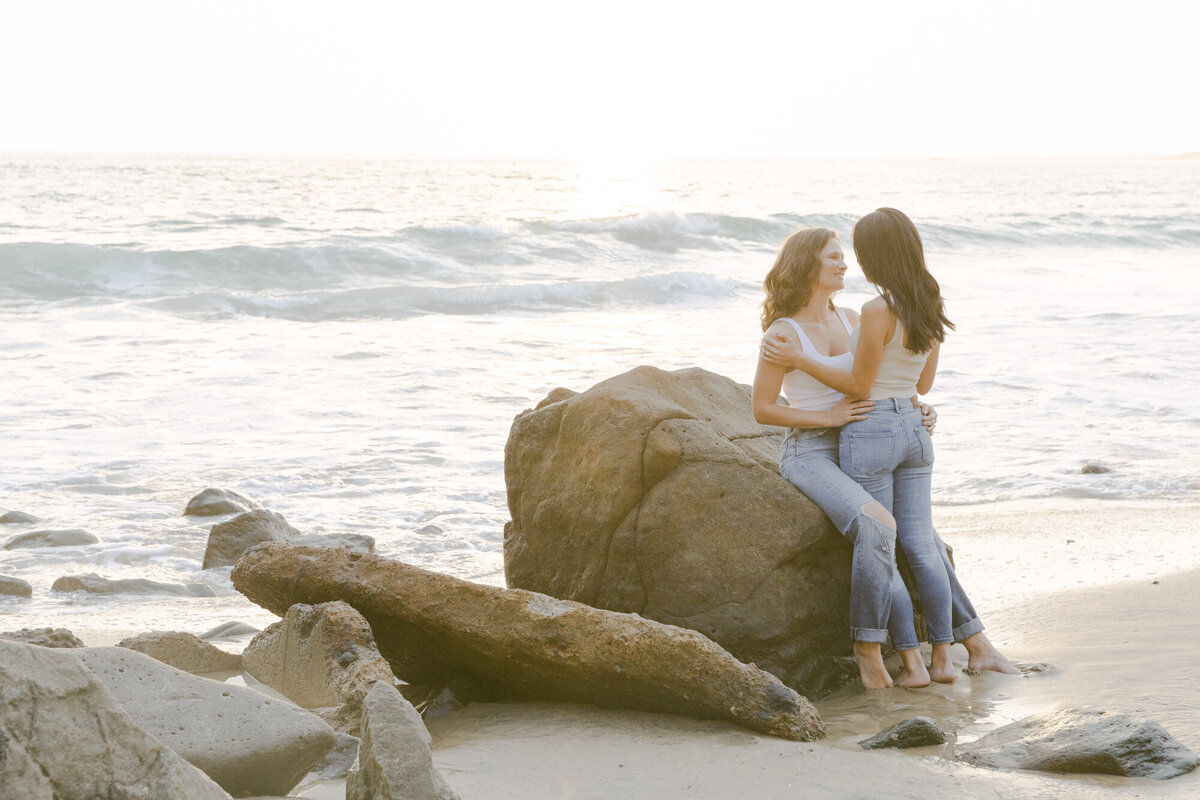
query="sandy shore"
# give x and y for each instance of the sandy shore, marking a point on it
(1123, 646)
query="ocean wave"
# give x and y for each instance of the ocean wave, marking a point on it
(400, 302)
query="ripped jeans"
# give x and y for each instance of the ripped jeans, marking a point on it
(890, 455)
(879, 601)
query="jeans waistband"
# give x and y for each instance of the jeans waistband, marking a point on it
(896, 405)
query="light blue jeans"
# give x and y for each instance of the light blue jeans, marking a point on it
(879, 601)
(890, 455)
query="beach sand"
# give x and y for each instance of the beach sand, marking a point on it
(1127, 646)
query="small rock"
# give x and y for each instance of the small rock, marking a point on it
(1083, 740)
(227, 541)
(211, 502)
(394, 758)
(912, 732)
(248, 743)
(184, 651)
(338, 761)
(227, 631)
(93, 584)
(44, 637)
(17, 518)
(1093, 468)
(15, 587)
(321, 657)
(57, 720)
(73, 537)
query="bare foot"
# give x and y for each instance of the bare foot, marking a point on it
(983, 656)
(871, 670)
(912, 674)
(941, 666)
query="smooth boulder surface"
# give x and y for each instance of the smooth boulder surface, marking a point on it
(213, 502)
(15, 587)
(228, 540)
(912, 732)
(44, 637)
(248, 743)
(1083, 740)
(58, 722)
(92, 583)
(62, 538)
(228, 631)
(657, 493)
(183, 651)
(322, 658)
(395, 761)
(510, 644)
(17, 518)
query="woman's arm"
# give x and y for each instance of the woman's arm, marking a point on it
(875, 325)
(768, 379)
(925, 382)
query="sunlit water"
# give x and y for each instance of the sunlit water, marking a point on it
(347, 342)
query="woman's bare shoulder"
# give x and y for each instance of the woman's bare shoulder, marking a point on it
(850, 313)
(781, 327)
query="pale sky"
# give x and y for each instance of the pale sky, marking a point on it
(613, 79)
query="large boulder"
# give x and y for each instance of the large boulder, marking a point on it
(213, 502)
(246, 742)
(322, 658)
(73, 537)
(657, 493)
(62, 736)
(184, 651)
(1083, 740)
(395, 761)
(228, 540)
(510, 644)
(92, 583)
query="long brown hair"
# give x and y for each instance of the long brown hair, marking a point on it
(790, 283)
(889, 250)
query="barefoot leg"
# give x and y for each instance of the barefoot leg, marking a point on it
(913, 673)
(870, 665)
(983, 656)
(941, 667)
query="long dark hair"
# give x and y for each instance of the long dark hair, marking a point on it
(889, 250)
(789, 285)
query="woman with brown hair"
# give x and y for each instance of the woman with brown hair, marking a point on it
(886, 449)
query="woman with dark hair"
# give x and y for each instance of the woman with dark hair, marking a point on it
(799, 308)
(887, 450)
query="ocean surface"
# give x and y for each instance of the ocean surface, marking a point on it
(348, 341)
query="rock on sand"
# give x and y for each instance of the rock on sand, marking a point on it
(513, 644)
(228, 540)
(93, 584)
(212, 502)
(184, 651)
(64, 538)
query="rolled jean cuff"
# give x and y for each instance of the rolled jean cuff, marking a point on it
(869, 635)
(968, 629)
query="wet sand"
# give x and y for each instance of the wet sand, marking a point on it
(1129, 646)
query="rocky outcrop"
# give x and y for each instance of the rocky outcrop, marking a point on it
(18, 518)
(63, 737)
(92, 583)
(394, 758)
(14, 587)
(44, 637)
(228, 540)
(213, 502)
(912, 732)
(248, 743)
(322, 658)
(512, 644)
(64, 538)
(657, 493)
(183, 651)
(1083, 740)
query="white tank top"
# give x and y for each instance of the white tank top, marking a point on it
(802, 390)
(898, 369)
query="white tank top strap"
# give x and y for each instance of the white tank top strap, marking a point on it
(845, 322)
(805, 344)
